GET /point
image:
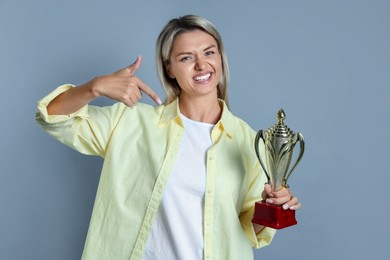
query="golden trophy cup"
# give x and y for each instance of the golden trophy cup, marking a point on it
(279, 142)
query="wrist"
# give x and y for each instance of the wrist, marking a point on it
(93, 87)
(258, 228)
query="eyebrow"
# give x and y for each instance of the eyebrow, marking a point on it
(206, 49)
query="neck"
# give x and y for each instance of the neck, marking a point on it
(201, 109)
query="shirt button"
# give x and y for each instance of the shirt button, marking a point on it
(209, 191)
(211, 158)
(208, 257)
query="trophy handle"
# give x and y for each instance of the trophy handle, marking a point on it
(302, 149)
(259, 136)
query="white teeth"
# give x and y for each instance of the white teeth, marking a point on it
(204, 77)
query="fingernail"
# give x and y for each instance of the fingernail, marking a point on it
(136, 59)
(159, 101)
(269, 201)
(285, 206)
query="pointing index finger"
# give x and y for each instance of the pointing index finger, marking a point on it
(146, 89)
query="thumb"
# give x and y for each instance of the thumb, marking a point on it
(131, 69)
(135, 66)
(267, 188)
(267, 191)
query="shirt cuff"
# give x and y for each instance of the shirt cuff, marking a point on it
(263, 238)
(51, 119)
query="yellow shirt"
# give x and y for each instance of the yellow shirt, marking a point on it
(139, 146)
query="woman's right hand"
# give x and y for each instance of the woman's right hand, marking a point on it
(123, 86)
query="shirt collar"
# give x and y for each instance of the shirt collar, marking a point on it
(170, 112)
(225, 124)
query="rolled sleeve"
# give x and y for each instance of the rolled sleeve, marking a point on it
(87, 130)
(52, 119)
(265, 236)
(261, 239)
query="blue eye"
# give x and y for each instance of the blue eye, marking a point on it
(208, 53)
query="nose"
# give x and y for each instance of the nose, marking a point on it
(200, 64)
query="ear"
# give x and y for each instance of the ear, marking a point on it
(169, 71)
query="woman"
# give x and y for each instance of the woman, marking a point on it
(179, 180)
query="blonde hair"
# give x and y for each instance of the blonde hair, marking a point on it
(164, 45)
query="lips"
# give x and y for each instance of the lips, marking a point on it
(203, 77)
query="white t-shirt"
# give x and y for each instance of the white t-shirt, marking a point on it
(177, 231)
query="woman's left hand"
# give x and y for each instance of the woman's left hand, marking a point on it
(282, 197)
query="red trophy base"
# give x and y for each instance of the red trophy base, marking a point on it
(273, 216)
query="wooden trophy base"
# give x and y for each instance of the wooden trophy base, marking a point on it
(273, 216)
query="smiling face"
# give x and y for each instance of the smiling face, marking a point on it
(195, 63)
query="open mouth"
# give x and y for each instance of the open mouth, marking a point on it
(203, 77)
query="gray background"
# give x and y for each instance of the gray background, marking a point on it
(327, 63)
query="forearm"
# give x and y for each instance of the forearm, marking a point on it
(72, 100)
